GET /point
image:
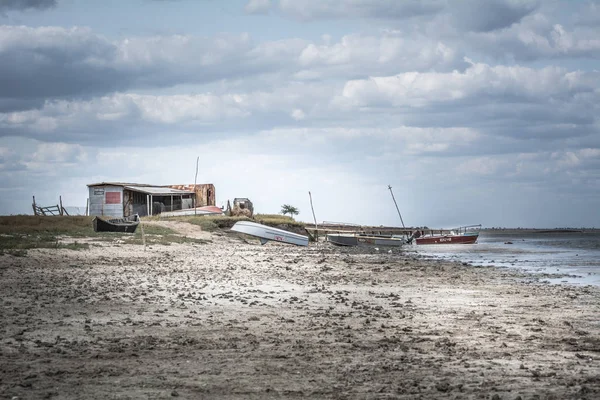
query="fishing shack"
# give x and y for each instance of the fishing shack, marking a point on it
(118, 199)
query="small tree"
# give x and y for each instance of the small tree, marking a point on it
(288, 209)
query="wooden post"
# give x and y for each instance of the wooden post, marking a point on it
(87, 206)
(33, 205)
(195, 178)
(60, 212)
(315, 218)
(143, 235)
(147, 204)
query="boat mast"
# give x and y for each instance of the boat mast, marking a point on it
(397, 209)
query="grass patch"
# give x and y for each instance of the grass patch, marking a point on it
(276, 219)
(152, 230)
(18, 244)
(18, 233)
(210, 223)
(30, 224)
(23, 232)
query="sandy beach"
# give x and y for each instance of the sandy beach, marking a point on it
(233, 319)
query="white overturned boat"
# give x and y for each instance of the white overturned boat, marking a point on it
(355, 239)
(266, 233)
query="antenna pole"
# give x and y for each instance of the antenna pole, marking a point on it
(397, 209)
(315, 218)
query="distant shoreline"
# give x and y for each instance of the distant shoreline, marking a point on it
(534, 230)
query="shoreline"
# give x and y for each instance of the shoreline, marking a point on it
(233, 319)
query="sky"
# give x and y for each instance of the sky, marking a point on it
(475, 112)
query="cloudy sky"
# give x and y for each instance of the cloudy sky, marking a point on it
(474, 111)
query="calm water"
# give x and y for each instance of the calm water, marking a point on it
(575, 254)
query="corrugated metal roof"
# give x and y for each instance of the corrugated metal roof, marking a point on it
(157, 190)
(118, 184)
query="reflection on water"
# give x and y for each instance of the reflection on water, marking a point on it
(574, 254)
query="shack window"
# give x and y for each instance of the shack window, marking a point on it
(113, 197)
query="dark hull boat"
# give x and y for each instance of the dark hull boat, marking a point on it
(447, 239)
(124, 225)
(353, 239)
(462, 235)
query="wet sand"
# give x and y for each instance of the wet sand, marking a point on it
(233, 319)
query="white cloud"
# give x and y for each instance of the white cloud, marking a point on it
(482, 166)
(58, 153)
(420, 89)
(257, 6)
(390, 52)
(298, 114)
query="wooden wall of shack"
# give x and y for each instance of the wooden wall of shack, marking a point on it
(205, 193)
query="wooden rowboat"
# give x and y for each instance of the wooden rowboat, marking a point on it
(124, 225)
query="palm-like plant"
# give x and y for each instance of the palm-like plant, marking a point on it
(288, 209)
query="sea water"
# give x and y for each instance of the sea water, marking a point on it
(573, 257)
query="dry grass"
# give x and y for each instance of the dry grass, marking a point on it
(210, 223)
(21, 232)
(276, 219)
(31, 224)
(214, 222)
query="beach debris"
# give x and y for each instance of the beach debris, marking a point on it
(242, 207)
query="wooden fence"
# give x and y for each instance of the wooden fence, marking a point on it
(50, 210)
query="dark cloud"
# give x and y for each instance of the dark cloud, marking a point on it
(15, 104)
(535, 39)
(383, 9)
(52, 62)
(56, 63)
(22, 5)
(489, 15)
(464, 15)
